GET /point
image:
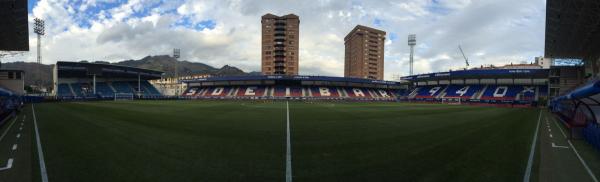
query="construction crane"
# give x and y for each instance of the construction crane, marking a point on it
(463, 54)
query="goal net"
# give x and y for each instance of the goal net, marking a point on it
(452, 100)
(123, 96)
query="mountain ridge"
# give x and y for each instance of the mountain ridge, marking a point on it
(164, 63)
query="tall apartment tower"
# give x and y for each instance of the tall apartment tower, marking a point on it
(364, 53)
(280, 44)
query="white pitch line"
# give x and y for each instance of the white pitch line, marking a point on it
(8, 165)
(560, 129)
(14, 147)
(576, 153)
(8, 129)
(583, 162)
(43, 172)
(558, 146)
(527, 175)
(288, 155)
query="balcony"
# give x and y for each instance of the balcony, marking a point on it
(279, 61)
(279, 34)
(279, 40)
(279, 46)
(279, 29)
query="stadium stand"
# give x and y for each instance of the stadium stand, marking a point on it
(77, 80)
(292, 87)
(290, 92)
(517, 87)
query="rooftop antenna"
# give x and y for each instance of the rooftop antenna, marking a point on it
(463, 54)
(412, 41)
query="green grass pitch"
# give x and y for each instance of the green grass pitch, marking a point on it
(245, 141)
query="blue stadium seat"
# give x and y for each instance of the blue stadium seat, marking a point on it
(102, 89)
(82, 89)
(429, 91)
(122, 87)
(64, 90)
(462, 91)
(499, 92)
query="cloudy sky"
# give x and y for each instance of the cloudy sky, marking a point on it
(220, 32)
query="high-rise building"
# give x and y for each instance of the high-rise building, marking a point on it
(364, 53)
(280, 44)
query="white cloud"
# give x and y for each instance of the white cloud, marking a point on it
(490, 31)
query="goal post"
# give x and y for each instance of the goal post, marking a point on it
(123, 96)
(452, 100)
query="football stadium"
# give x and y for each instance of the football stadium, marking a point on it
(102, 121)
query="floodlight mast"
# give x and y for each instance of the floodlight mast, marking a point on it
(38, 29)
(177, 55)
(412, 41)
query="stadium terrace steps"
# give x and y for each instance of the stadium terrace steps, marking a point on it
(64, 90)
(104, 90)
(111, 87)
(123, 87)
(442, 93)
(480, 93)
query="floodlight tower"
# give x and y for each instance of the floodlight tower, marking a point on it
(412, 41)
(38, 29)
(177, 55)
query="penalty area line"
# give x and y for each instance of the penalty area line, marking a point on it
(43, 172)
(527, 175)
(8, 165)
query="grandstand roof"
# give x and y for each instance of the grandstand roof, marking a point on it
(573, 29)
(324, 79)
(475, 74)
(13, 25)
(84, 70)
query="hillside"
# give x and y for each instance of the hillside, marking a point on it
(160, 63)
(167, 64)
